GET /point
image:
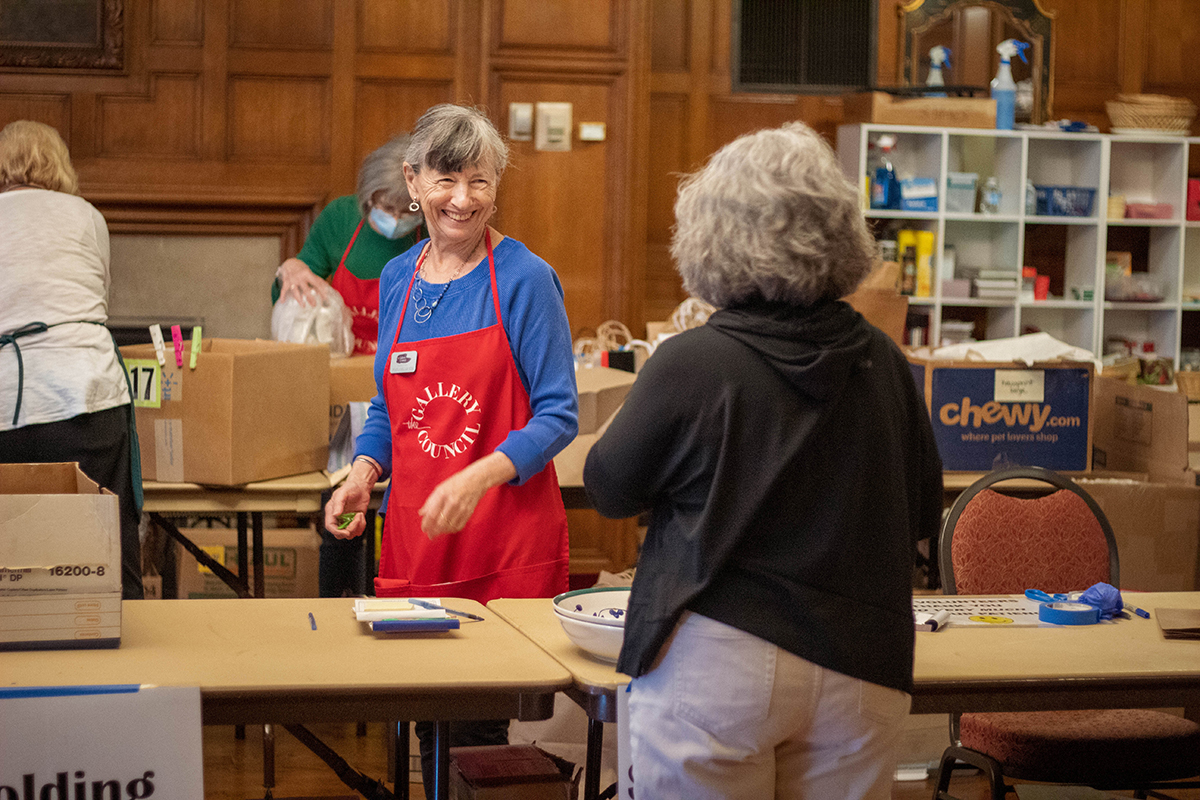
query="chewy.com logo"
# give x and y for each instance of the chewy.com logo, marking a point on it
(1018, 404)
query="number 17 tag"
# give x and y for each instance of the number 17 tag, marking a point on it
(145, 380)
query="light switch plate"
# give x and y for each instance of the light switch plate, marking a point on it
(553, 126)
(520, 122)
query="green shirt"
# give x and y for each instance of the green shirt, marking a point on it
(329, 235)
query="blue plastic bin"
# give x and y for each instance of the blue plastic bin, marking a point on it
(1064, 201)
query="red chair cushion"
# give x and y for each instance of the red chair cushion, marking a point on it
(1005, 545)
(1117, 748)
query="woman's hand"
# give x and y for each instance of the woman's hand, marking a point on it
(452, 502)
(352, 496)
(296, 279)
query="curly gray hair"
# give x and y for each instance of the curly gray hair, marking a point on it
(451, 138)
(771, 217)
(383, 171)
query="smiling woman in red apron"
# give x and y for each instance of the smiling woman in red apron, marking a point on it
(476, 396)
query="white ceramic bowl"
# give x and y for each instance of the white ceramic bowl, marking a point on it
(599, 641)
(605, 605)
(594, 619)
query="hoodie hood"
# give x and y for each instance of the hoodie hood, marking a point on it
(815, 348)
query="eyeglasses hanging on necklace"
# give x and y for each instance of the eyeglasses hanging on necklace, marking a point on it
(422, 308)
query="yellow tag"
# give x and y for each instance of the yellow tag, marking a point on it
(217, 551)
(195, 346)
(145, 378)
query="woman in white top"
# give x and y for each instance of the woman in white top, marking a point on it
(63, 390)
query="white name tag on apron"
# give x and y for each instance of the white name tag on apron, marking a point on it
(403, 362)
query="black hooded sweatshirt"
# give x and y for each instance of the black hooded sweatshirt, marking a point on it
(789, 466)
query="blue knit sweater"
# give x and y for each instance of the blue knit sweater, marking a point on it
(531, 303)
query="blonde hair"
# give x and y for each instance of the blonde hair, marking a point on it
(33, 154)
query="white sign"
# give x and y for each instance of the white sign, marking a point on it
(125, 744)
(1020, 386)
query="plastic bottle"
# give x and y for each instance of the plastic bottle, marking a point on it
(885, 188)
(908, 271)
(1004, 89)
(1030, 199)
(990, 197)
(939, 58)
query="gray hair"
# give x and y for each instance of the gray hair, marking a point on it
(383, 171)
(451, 138)
(771, 217)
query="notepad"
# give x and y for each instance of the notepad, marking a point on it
(1178, 623)
(369, 609)
(413, 625)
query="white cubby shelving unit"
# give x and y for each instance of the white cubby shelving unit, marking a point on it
(1071, 249)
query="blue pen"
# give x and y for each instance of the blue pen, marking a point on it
(1141, 612)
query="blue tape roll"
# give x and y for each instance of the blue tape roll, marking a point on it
(1069, 613)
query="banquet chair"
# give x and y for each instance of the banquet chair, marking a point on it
(993, 543)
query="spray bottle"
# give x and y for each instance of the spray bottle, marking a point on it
(885, 188)
(939, 57)
(1004, 89)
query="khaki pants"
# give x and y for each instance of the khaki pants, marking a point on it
(726, 714)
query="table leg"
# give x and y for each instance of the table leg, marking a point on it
(243, 550)
(595, 747)
(260, 578)
(441, 761)
(400, 746)
(268, 742)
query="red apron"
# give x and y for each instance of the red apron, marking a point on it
(362, 298)
(460, 402)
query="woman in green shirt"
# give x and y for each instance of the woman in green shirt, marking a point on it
(351, 241)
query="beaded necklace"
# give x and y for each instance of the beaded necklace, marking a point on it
(422, 308)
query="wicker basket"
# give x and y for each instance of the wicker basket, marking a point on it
(1154, 112)
(1189, 384)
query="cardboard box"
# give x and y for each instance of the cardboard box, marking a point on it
(251, 410)
(1157, 528)
(351, 380)
(949, 112)
(60, 559)
(601, 393)
(886, 309)
(1141, 429)
(290, 560)
(989, 414)
(510, 772)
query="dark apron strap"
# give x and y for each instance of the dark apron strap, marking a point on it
(11, 338)
(135, 453)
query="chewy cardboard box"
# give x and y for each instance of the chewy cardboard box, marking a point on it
(1141, 429)
(601, 393)
(251, 410)
(290, 562)
(351, 380)
(1157, 528)
(988, 414)
(510, 772)
(60, 559)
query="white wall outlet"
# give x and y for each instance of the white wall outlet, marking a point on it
(520, 122)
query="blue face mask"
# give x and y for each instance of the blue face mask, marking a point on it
(390, 227)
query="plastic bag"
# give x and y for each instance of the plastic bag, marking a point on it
(327, 322)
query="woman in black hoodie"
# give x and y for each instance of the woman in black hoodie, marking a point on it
(789, 466)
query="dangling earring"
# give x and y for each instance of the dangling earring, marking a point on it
(414, 206)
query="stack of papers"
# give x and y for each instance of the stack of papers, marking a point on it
(1179, 623)
(386, 615)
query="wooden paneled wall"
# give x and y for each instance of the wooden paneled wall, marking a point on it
(244, 117)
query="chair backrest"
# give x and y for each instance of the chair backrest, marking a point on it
(992, 543)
